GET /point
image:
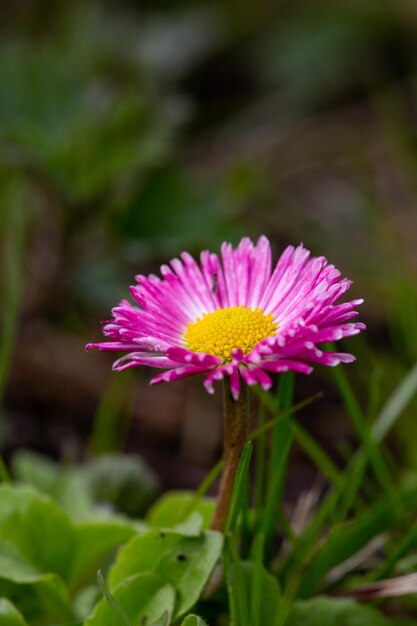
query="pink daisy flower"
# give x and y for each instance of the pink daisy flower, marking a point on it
(234, 317)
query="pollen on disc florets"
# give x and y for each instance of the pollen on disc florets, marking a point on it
(221, 331)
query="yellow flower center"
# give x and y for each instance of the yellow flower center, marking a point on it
(224, 330)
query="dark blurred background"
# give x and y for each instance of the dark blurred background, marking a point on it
(130, 131)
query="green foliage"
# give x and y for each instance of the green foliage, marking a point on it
(42, 599)
(9, 615)
(62, 125)
(343, 542)
(184, 562)
(161, 569)
(126, 484)
(333, 612)
(255, 595)
(25, 520)
(48, 560)
(93, 541)
(337, 538)
(175, 507)
(144, 598)
(34, 469)
(163, 566)
(162, 621)
(45, 557)
(193, 620)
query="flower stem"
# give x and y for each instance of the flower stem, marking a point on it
(236, 414)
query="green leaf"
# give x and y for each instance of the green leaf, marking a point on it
(193, 620)
(185, 562)
(176, 506)
(9, 615)
(34, 469)
(72, 493)
(93, 540)
(162, 621)
(36, 544)
(192, 526)
(143, 597)
(85, 601)
(270, 600)
(126, 482)
(40, 531)
(45, 536)
(14, 566)
(66, 485)
(45, 600)
(14, 500)
(334, 612)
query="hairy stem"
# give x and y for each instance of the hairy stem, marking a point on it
(235, 436)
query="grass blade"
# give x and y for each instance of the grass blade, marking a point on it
(260, 460)
(270, 404)
(204, 486)
(4, 474)
(111, 421)
(269, 517)
(13, 226)
(256, 590)
(364, 432)
(320, 459)
(397, 403)
(400, 550)
(238, 586)
(283, 402)
(106, 592)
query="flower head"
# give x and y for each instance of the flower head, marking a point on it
(234, 317)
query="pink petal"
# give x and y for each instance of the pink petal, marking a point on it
(177, 374)
(117, 346)
(235, 383)
(262, 378)
(230, 275)
(248, 375)
(214, 277)
(181, 355)
(285, 365)
(260, 271)
(215, 375)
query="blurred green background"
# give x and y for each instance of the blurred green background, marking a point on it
(130, 131)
